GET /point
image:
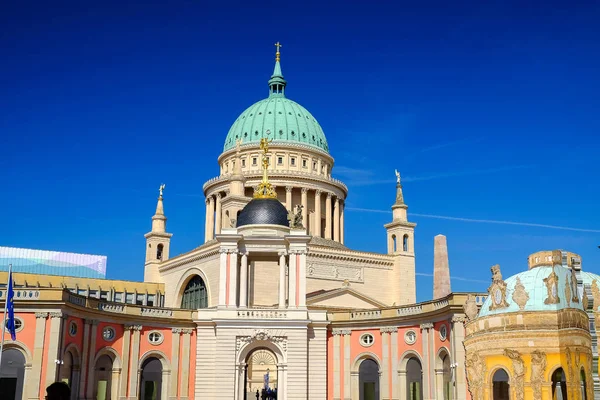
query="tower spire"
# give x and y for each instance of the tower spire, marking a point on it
(157, 241)
(159, 221)
(277, 83)
(265, 189)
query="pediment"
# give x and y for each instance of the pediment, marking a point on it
(343, 298)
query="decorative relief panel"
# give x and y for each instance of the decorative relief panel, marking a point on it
(497, 289)
(575, 292)
(520, 295)
(476, 371)
(470, 307)
(551, 282)
(538, 367)
(519, 372)
(335, 272)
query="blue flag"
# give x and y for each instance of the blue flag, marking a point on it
(10, 308)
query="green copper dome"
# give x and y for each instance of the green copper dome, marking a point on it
(276, 118)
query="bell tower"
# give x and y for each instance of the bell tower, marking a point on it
(157, 242)
(400, 244)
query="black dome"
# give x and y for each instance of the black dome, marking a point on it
(263, 211)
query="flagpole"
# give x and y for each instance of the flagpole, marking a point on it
(4, 319)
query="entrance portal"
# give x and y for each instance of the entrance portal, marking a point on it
(261, 373)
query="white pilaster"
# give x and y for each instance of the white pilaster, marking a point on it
(342, 206)
(233, 264)
(336, 220)
(292, 280)
(336, 364)
(394, 371)
(282, 279)
(384, 390)
(348, 375)
(211, 218)
(317, 226)
(302, 279)
(425, 333)
(222, 277)
(244, 280)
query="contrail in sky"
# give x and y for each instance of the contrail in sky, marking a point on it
(483, 221)
(458, 278)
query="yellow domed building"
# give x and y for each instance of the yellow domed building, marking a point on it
(531, 338)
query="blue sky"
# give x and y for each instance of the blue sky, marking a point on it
(490, 112)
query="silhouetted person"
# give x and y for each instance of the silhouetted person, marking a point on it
(58, 391)
(257, 394)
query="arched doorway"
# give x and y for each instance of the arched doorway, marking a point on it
(195, 295)
(151, 379)
(103, 378)
(583, 385)
(559, 385)
(444, 377)
(69, 370)
(368, 380)
(414, 379)
(12, 374)
(261, 373)
(500, 385)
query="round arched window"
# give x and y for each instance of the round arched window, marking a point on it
(108, 334)
(194, 295)
(367, 340)
(155, 338)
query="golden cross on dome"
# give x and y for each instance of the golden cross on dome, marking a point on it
(278, 45)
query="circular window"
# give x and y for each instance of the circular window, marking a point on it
(410, 337)
(108, 334)
(443, 332)
(367, 340)
(155, 338)
(18, 324)
(73, 328)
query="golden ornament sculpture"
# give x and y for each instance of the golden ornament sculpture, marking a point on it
(265, 190)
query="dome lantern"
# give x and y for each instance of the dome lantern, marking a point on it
(277, 83)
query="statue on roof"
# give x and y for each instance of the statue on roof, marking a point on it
(295, 218)
(397, 176)
(161, 188)
(238, 144)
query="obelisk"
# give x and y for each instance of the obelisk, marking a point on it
(441, 269)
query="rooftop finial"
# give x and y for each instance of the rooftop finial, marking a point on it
(265, 190)
(278, 54)
(160, 189)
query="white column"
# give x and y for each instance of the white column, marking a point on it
(135, 359)
(233, 263)
(207, 222)
(281, 379)
(336, 220)
(348, 375)
(175, 339)
(185, 363)
(328, 217)
(336, 364)
(317, 228)
(91, 356)
(125, 363)
(292, 280)
(244, 281)
(384, 392)
(115, 379)
(458, 336)
(302, 279)
(305, 207)
(425, 367)
(211, 218)
(38, 353)
(53, 350)
(218, 214)
(288, 198)
(222, 277)
(394, 371)
(342, 206)
(282, 279)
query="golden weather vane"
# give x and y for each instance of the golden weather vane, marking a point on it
(277, 54)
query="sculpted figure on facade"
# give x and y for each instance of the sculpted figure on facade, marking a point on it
(476, 372)
(295, 218)
(575, 298)
(538, 367)
(568, 292)
(497, 289)
(520, 295)
(595, 295)
(519, 372)
(470, 307)
(551, 282)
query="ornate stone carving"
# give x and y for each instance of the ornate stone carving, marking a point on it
(340, 331)
(458, 319)
(470, 307)
(575, 298)
(41, 314)
(595, 295)
(568, 292)
(538, 367)
(519, 372)
(57, 315)
(497, 289)
(551, 282)
(570, 370)
(476, 371)
(332, 271)
(520, 295)
(133, 327)
(584, 300)
(426, 325)
(388, 329)
(288, 189)
(262, 335)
